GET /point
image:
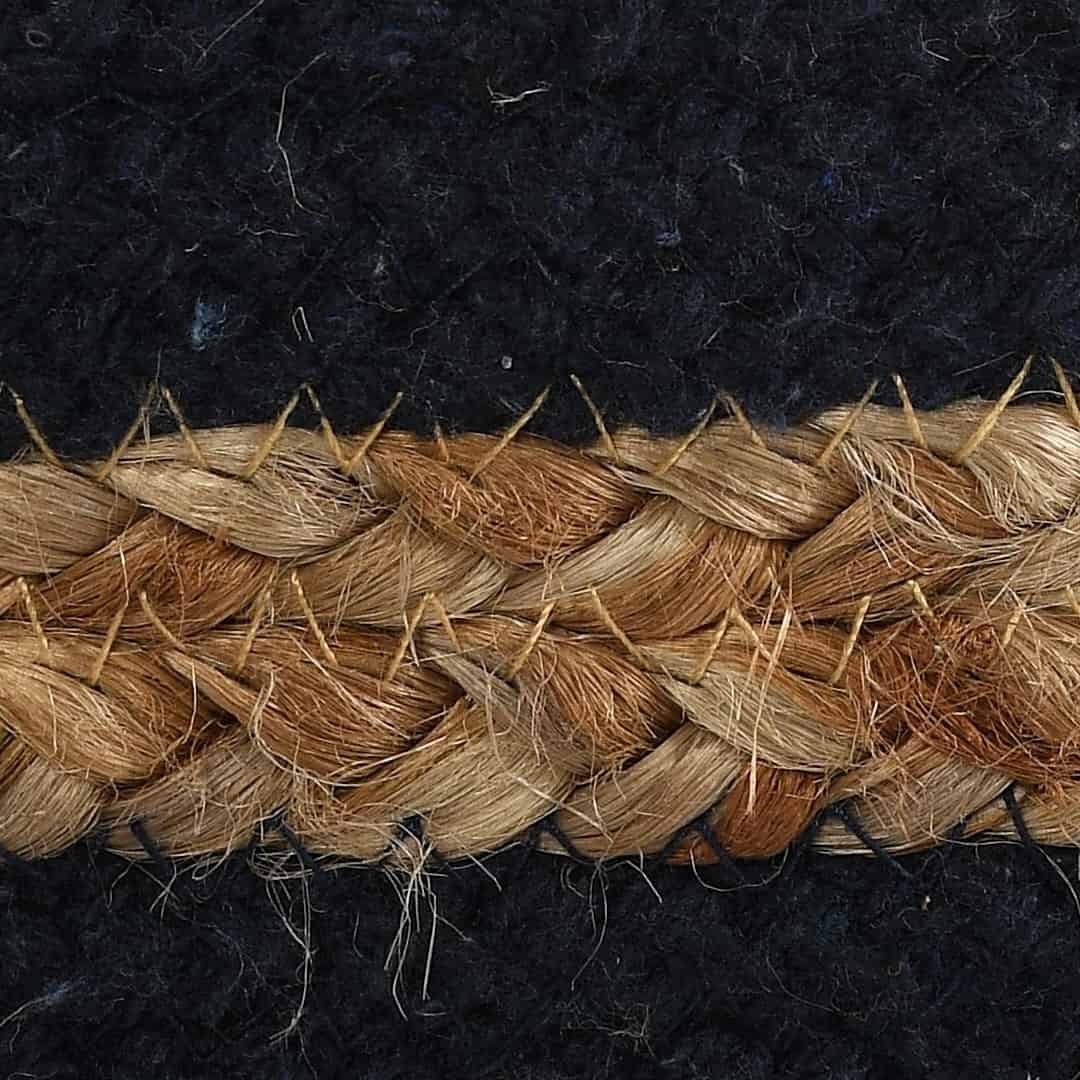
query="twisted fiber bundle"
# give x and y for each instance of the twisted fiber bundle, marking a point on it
(875, 608)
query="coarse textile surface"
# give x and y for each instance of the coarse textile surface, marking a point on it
(468, 201)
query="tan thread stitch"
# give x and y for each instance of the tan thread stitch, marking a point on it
(986, 425)
(444, 618)
(842, 432)
(312, 621)
(774, 659)
(1074, 600)
(511, 433)
(521, 659)
(406, 639)
(695, 433)
(185, 431)
(1010, 628)
(272, 436)
(741, 621)
(376, 430)
(256, 620)
(440, 444)
(162, 629)
(106, 646)
(32, 614)
(601, 427)
(853, 637)
(736, 410)
(920, 598)
(34, 431)
(714, 644)
(1067, 391)
(616, 630)
(917, 435)
(105, 469)
(328, 430)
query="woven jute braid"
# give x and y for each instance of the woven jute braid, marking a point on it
(216, 629)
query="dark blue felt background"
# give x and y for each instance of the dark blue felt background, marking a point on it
(470, 201)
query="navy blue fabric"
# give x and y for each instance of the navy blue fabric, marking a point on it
(959, 967)
(469, 201)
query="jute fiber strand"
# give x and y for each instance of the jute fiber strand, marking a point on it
(876, 609)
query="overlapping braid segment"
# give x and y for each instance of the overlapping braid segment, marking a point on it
(875, 609)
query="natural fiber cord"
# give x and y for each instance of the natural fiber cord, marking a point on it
(876, 610)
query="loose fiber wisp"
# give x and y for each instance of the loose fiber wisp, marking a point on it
(877, 610)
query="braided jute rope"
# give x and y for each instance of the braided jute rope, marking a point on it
(876, 609)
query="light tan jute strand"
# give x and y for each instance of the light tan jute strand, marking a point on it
(482, 633)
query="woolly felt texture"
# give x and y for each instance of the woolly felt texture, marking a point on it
(784, 200)
(844, 968)
(469, 201)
